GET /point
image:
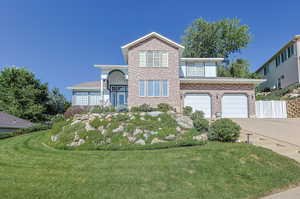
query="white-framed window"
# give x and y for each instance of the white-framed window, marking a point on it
(153, 88)
(195, 69)
(142, 90)
(165, 88)
(153, 58)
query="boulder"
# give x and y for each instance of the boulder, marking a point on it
(77, 143)
(54, 138)
(142, 114)
(131, 138)
(140, 141)
(201, 137)
(153, 132)
(137, 131)
(171, 137)
(184, 121)
(119, 129)
(76, 137)
(88, 127)
(156, 140)
(154, 113)
(75, 122)
(178, 129)
(100, 128)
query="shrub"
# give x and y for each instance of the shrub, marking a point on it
(73, 110)
(142, 108)
(35, 127)
(122, 108)
(224, 130)
(201, 124)
(187, 110)
(164, 107)
(197, 115)
(57, 118)
(98, 122)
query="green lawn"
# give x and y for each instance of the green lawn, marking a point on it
(30, 169)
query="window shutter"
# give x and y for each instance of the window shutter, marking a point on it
(142, 59)
(164, 59)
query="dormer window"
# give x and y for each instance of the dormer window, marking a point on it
(153, 58)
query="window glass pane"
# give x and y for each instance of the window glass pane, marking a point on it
(142, 58)
(150, 58)
(156, 88)
(94, 93)
(142, 88)
(164, 59)
(156, 58)
(165, 87)
(195, 69)
(150, 88)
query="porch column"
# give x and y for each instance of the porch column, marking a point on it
(102, 93)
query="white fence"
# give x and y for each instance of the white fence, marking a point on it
(271, 109)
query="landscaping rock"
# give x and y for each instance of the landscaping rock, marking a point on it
(140, 141)
(119, 129)
(75, 122)
(153, 132)
(88, 127)
(76, 137)
(54, 138)
(131, 138)
(142, 114)
(184, 121)
(154, 113)
(171, 137)
(100, 128)
(178, 129)
(77, 143)
(137, 131)
(156, 140)
(201, 137)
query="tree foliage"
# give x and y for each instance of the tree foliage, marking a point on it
(238, 69)
(22, 95)
(57, 103)
(25, 96)
(215, 39)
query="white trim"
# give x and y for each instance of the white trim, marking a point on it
(150, 35)
(202, 59)
(223, 80)
(110, 66)
(83, 88)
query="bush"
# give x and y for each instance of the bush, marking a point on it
(57, 118)
(122, 108)
(103, 109)
(197, 115)
(224, 130)
(201, 124)
(73, 110)
(164, 107)
(187, 110)
(142, 108)
(35, 127)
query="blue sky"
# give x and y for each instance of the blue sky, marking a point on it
(60, 40)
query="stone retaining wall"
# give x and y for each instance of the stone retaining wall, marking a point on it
(293, 108)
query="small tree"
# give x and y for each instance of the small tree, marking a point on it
(57, 103)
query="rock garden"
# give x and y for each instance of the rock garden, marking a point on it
(142, 127)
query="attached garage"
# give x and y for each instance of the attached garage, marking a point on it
(200, 102)
(235, 106)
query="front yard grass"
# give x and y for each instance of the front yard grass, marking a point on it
(31, 169)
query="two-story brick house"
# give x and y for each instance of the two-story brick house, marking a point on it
(155, 72)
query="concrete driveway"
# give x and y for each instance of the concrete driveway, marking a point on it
(287, 130)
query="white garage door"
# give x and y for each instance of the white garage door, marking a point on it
(200, 102)
(234, 106)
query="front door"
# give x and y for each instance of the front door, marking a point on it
(120, 99)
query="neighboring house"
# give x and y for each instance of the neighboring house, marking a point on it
(155, 72)
(9, 123)
(283, 68)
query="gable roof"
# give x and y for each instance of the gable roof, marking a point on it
(93, 85)
(152, 34)
(10, 121)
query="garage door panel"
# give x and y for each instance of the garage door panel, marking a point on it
(200, 102)
(234, 106)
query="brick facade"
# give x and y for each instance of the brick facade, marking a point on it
(216, 91)
(170, 73)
